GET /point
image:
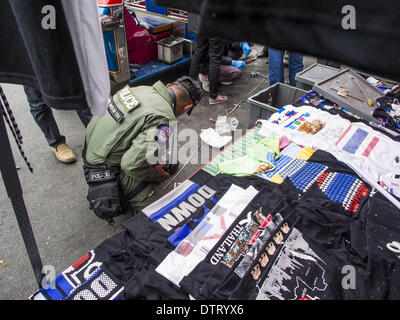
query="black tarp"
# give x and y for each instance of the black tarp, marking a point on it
(310, 27)
(43, 59)
(38, 57)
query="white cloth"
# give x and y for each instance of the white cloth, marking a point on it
(212, 138)
(195, 247)
(374, 156)
(84, 24)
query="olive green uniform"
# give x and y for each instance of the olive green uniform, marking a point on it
(146, 110)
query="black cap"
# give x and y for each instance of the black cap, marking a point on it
(194, 90)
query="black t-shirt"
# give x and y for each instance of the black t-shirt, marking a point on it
(379, 236)
(239, 246)
(324, 177)
(296, 250)
(302, 259)
(160, 228)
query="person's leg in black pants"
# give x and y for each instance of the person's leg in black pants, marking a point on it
(208, 51)
(199, 58)
(199, 64)
(215, 53)
(43, 116)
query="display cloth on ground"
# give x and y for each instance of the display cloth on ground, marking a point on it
(372, 154)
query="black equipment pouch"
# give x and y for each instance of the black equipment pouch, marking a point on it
(105, 195)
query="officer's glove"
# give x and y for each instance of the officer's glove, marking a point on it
(246, 48)
(161, 173)
(238, 64)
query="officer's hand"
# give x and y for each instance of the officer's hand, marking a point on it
(238, 64)
(161, 173)
(246, 48)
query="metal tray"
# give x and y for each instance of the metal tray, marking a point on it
(358, 93)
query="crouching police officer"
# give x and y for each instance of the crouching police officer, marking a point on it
(118, 145)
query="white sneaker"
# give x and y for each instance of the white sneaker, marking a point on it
(205, 84)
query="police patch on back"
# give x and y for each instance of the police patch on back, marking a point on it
(128, 99)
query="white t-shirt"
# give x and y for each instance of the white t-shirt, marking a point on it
(373, 155)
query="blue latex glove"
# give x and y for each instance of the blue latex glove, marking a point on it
(238, 64)
(246, 48)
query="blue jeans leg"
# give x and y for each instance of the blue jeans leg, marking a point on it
(276, 68)
(43, 116)
(296, 65)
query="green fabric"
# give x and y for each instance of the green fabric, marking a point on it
(271, 142)
(254, 160)
(128, 143)
(242, 166)
(238, 149)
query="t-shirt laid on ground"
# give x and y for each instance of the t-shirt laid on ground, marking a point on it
(374, 156)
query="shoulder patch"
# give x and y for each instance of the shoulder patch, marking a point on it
(163, 134)
(114, 111)
(128, 99)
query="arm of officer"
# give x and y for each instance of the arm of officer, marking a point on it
(142, 159)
